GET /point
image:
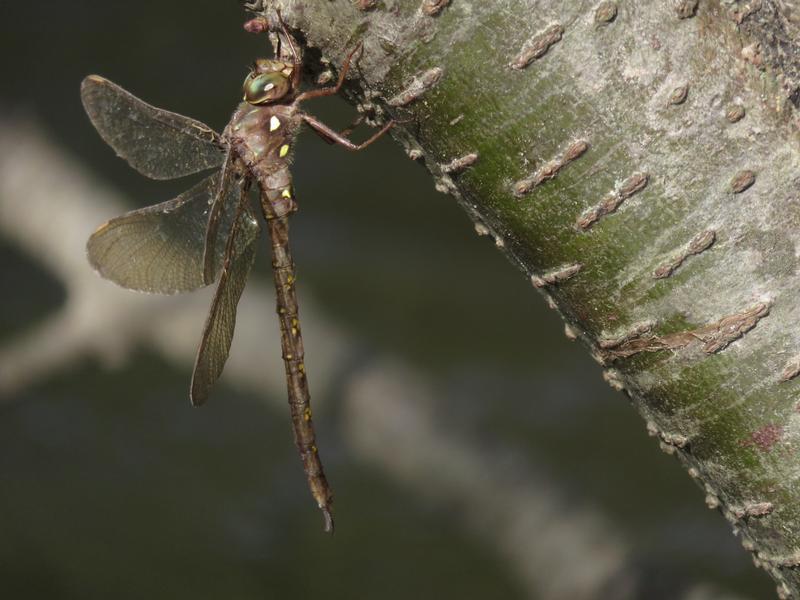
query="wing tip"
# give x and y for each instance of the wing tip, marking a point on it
(92, 250)
(197, 396)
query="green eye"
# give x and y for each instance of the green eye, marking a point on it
(265, 87)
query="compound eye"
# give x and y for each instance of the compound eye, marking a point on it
(264, 88)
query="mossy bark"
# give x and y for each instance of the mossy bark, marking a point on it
(639, 161)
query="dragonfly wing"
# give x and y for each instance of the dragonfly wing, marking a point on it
(215, 217)
(159, 249)
(221, 321)
(157, 143)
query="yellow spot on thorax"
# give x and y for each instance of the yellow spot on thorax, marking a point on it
(274, 123)
(284, 150)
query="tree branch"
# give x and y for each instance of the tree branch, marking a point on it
(622, 137)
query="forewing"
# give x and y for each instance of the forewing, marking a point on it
(157, 143)
(159, 249)
(221, 321)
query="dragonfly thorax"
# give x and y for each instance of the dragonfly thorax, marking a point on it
(269, 81)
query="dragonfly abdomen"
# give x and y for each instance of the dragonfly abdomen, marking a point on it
(262, 138)
(273, 200)
(275, 181)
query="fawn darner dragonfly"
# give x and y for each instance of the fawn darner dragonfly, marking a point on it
(208, 233)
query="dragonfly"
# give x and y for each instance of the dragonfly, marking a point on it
(208, 233)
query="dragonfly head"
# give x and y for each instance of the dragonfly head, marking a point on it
(268, 81)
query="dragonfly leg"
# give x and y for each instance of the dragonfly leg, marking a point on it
(297, 72)
(332, 136)
(344, 132)
(333, 90)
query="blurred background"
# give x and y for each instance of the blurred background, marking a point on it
(474, 451)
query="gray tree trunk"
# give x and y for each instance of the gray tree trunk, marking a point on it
(639, 162)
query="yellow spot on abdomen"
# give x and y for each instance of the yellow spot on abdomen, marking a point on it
(287, 193)
(284, 150)
(307, 414)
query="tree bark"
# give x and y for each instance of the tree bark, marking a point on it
(639, 162)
